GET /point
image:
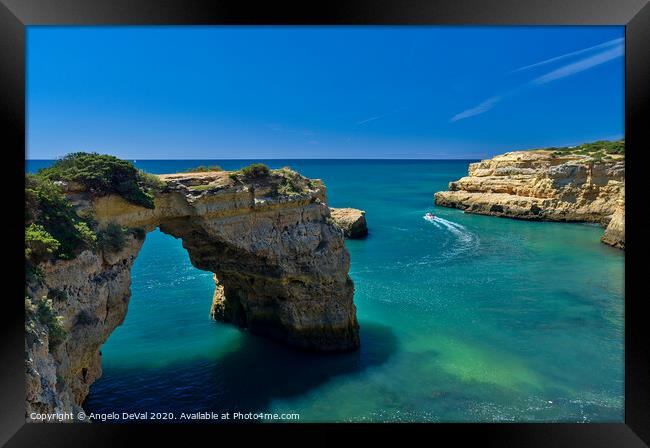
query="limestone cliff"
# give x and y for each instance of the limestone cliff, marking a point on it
(351, 221)
(91, 293)
(615, 232)
(542, 185)
(279, 263)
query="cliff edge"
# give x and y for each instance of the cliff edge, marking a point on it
(279, 263)
(569, 184)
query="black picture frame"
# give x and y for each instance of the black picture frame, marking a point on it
(15, 15)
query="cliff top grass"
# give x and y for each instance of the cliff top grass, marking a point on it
(102, 174)
(605, 150)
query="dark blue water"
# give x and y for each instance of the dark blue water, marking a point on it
(468, 318)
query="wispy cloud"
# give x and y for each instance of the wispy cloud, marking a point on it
(610, 50)
(580, 65)
(378, 117)
(367, 120)
(609, 43)
(481, 108)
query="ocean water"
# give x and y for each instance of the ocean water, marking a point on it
(464, 319)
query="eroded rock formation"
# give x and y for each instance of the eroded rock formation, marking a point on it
(91, 293)
(351, 221)
(280, 269)
(539, 185)
(615, 232)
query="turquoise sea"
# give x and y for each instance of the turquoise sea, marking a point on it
(468, 318)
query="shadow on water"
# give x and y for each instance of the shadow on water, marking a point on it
(247, 379)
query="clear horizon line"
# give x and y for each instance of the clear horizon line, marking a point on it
(293, 158)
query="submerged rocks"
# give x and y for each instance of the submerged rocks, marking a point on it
(279, 262)
(542, 185)
(351, 221)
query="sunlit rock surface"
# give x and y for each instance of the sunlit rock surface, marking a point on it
(537, 185)
(279, 262)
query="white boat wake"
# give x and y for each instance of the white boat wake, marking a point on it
(431, 219)
(466, 239)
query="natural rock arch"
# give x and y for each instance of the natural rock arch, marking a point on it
(280, 266)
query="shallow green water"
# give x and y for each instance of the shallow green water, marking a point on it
(470, 318)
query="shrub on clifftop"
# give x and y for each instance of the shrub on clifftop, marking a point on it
(599, 150)
(255, 170)
(54, 231)
(204, 169)
(52, 228)
(103, 174)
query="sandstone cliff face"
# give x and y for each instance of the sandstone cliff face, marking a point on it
(615, 232)
(281, 266)
(91, 293)
(280, 269)
(351, 221)
(536, 185)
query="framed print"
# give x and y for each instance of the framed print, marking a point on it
(337, 217)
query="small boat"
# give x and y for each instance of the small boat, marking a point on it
(429, 216)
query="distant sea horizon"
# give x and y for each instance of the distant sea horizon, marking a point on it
(280, 158)
(167, 166)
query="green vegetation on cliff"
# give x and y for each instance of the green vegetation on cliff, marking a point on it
(252, 171)
(290, 184)
(204, 169)
(39, 243)
(102, 174)
(600, 150)
(205, 187)
(284, 181)
(255, 170)
(42, 311)
(53, 230)
(113, 237)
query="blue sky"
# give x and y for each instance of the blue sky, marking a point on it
(320, 92)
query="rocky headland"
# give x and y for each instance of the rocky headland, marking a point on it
(279, 262)
(558, 184)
